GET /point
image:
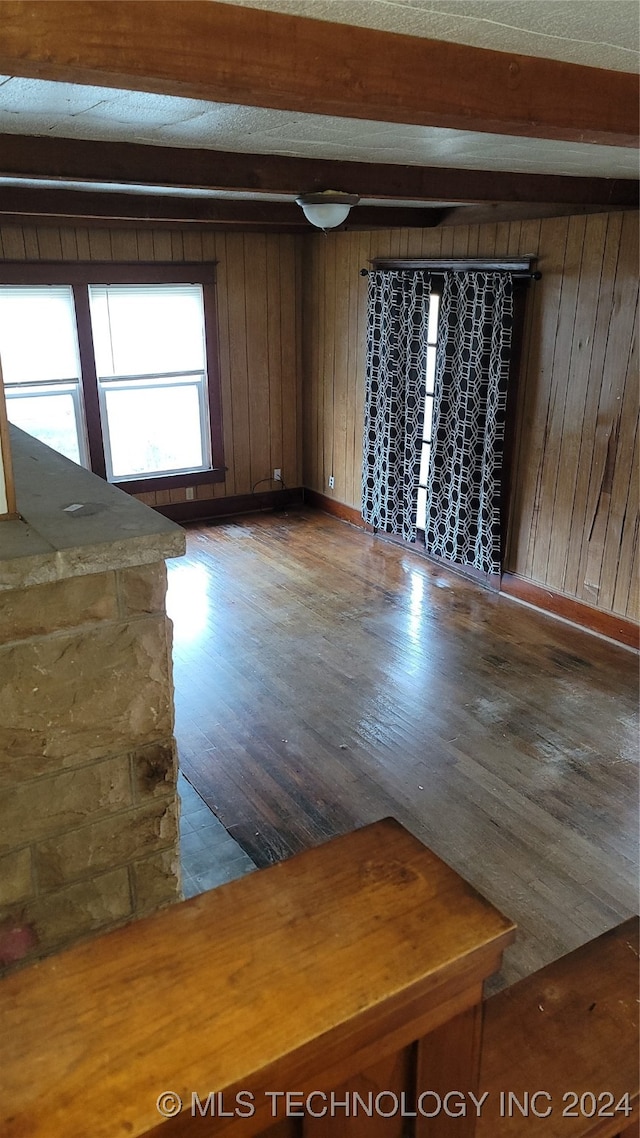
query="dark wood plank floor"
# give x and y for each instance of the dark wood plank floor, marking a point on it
(325, 678)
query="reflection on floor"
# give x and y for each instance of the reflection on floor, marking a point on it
(325, 678)
(208, 853)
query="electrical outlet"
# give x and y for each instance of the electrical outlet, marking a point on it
(190, 494)
(277, 474)
(332, 482)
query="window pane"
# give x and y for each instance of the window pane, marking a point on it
(424, 465)
(428, 416)
(434, 309)
(38, 339)
(147, 329)
(50, 417)
(153, 428)
(422, 508)
(431, 369)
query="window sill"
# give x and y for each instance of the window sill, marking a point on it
(171, 481)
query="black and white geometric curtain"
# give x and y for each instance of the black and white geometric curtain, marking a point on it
(394, 404)
(470, 398)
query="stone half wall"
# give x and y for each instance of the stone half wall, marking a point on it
(88, 801)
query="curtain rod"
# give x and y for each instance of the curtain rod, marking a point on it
(519, 266)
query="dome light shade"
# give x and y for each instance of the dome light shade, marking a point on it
(328, 209)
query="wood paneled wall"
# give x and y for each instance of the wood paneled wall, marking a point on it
(259, 289)
(292, 324)
(573, 517)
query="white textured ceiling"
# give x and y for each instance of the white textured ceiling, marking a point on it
(598, 33)
(602, 33)
(64, 110)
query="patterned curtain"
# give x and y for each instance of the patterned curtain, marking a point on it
(395, 392)
(472, 368)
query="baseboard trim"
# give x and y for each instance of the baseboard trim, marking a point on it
(336, 509)
(208, 509)
(605, 623)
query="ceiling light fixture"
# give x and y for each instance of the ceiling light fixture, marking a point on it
(327, 209)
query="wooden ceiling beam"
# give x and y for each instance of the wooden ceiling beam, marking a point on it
(126, 163)
(224, 53)
(488, 213)
(33, 205)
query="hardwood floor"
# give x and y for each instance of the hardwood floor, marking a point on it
(325, 678)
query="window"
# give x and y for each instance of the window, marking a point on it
(115, 369)
(150, 363)
(454, 494)
(42, 369)
(432, 337)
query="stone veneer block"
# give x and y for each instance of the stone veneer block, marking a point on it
(16, 882)
(154, 770)
(143, 589)
(57, 605)
(156, 881)
(81, 908)
(88, 765)
(112, 841)
(35, 809)
(80, 695)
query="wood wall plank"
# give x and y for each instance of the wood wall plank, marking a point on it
(290, 398)
(310, 331)
(49, 244)
(240, 459)
(31, 247)
(341, 369)
(617, 378)
(593, 425)
(624, 487)
(633, 597)
(576, 400)
(177, 246)
(355, 371)
(192, 244)
(224, 360)
(328, 440)
(274, 352)
(161, 244)
(69, 244)
(124, 245)
(557, 396)
(99, 245)
(13, 247)
(82, 244)
(317, 425)
(256, 299)
(527, 398)
(625, 598)
(536, 389)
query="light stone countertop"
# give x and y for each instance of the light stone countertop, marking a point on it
(108, 529)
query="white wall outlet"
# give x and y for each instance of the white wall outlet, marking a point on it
(277, 474)
(190, 493)
(332, 482)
